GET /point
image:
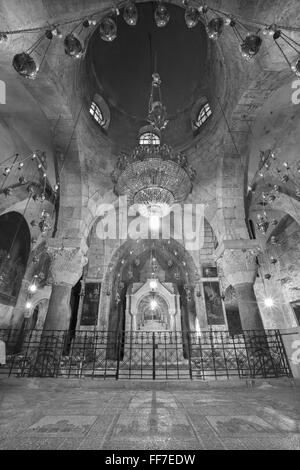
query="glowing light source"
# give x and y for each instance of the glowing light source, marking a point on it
(197, 327)
(153, 304)
(25, 65)
(32, 288)
(191, 16)
(154, 222)
(153, 284)
(28, 305)
(215, 28)
(108, 29)
(161, 15)
(251, 46)
(269, 302)
(296, 68)
(73, 47)
(130, 14)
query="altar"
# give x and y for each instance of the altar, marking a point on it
(153, 306)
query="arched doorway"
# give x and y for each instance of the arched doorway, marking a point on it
(153, 313)
(130, 264)
(14, 253)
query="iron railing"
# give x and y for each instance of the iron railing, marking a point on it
(144, 354)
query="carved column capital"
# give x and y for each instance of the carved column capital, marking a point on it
(67, 262)
(239, 266)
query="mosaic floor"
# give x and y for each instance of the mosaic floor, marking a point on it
(92, 414)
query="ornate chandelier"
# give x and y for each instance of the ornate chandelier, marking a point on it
(154, 176)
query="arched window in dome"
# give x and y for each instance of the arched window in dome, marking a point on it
(203, 115)
(200, 113)
(149, 138)
(96, 112)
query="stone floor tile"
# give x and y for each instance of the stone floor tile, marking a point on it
(62, 424)
(57, 413)
(70, 443)
(239, 425)
(30, 443)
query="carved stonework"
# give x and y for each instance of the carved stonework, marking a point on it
(224, 284)
(66, 264)
(239, 266)
(230, 295)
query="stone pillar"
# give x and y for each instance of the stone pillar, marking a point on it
(133, 322)
(172, 320)
(240, 269)
(178, 314)
(66, 269)
(248, 307)
(80, 306)
(58, 314)
(19, 310)
(200, 307)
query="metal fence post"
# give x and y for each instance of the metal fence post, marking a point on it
(153, 355)
(118, 355)
(189, 355)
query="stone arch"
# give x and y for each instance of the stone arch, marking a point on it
(182, 254)
(289, 205)
(113, 274)
(161, 314)
(37, 314)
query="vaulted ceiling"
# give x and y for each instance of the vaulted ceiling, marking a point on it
(44, 112)
(121, 72)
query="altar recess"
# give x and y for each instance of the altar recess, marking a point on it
(153, 305)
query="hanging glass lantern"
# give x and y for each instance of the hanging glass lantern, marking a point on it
(161, 15)
(130, 14)
(284, 179)
(108, 29)
(73, 47)
(33, 287)
(25, 65)
(177, 274)
(215, 28)
(296, 68)
(117, 298)
(262, 224)
(251, 46)
(273, 240)
(289, 41)
(191, 16)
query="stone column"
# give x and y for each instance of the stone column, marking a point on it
(200, 307)
(66, 269)
(178, 314)
(80, 306)
(240, 269)
(19, 310)
(133, 322)
(172, 320)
